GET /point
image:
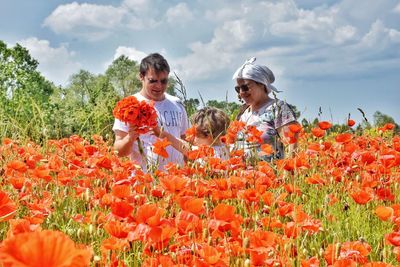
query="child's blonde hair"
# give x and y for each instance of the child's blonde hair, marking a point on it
(211, 121)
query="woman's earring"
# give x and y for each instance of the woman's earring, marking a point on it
(240, 99)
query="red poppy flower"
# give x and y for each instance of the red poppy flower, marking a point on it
(121, 191)
(149, 214)
(7, 207)
(138, 114)
(190, 134)
(351, 122)
(192, 204)
(393, 238)
(384, 213)
(117, 229)
(174, 183)
(343, 138)
(266, 149)
(361, 196)
(318, 132)
(324, 125)
(121, 209)
(224, 212)
(312, 262)
(113, 243)
(253, 135)
(43, 248)
(201, 152)
(210, 254)
(160, 147)
(17, 165)
(295, 127)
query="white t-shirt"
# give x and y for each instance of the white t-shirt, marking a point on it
(172, 117)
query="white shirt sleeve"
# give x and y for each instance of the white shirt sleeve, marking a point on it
(121, 126)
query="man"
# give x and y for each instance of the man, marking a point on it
(172, 117)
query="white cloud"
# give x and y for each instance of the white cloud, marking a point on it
(179, 14)
(95, 21)
(397, 9)
(308, 26)
(137, 5)
(131, 52)
(380, 37)
(261, 11)
(209, 58)
(345, 33)
(55, 63)
(295, 42)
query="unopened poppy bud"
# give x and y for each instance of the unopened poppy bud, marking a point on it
(204, 233)
(246, 242)
(337, 249)
(321, 252)
(247, 263)
(87, 194)
(96, 258)
(90, 229)
(79, 233)
(191, 235)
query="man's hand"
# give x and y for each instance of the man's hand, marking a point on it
(159, 132)
(124, 141)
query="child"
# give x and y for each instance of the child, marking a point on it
(210, 124)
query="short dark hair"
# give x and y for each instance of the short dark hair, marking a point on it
(154, 61)
(211, 121)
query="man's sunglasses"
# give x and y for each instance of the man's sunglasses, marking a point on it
(243, 87)
(163, 81)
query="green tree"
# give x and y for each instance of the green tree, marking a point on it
(230, 108)
(297, 113)
(123, 75)
(24, 95)
(381, 119)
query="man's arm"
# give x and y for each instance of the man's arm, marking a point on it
(124, 142)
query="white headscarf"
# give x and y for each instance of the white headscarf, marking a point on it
(258, 73)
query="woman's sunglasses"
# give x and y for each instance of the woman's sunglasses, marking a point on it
(243, 87)
(163, 81)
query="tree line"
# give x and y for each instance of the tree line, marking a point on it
(33, 108)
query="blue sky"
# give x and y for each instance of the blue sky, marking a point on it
(337, 55)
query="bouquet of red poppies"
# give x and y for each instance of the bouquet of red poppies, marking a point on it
(138, 114)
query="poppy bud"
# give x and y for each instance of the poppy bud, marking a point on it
(79, 233)
(246, 242)
(90, 229)
(204, 233)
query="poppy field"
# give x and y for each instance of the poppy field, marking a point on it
(74, 202)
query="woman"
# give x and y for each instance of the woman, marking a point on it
(269, 115)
